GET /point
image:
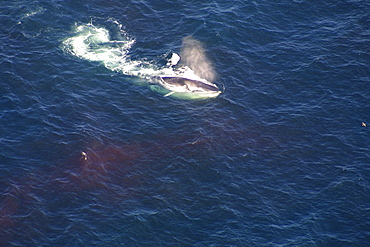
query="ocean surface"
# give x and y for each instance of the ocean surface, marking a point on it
(94, 154)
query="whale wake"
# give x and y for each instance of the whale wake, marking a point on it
(189, 75)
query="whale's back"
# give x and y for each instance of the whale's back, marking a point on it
(190, 84)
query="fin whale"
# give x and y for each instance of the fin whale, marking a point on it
(193, 55)
(177, 84)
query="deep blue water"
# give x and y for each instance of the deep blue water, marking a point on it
(280, 158)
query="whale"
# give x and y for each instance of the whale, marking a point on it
(182, 85)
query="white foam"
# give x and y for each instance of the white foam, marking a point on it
(94, 44)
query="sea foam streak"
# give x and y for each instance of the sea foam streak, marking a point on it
(94, 43)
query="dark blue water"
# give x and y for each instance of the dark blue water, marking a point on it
(280, 158)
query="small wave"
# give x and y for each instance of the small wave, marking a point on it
(33, 12)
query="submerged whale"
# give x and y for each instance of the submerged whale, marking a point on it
(183, 85)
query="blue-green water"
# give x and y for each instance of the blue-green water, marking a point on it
(91, 155)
